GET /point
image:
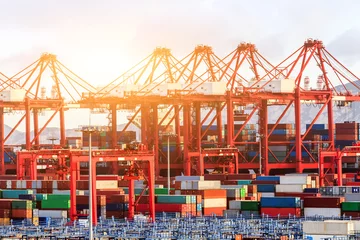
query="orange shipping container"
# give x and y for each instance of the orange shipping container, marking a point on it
(218, 211)
(21, 213)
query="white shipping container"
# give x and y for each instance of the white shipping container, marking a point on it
(324, 212)
(189, 178)
(295, 179)
(67, 192)
(313, 227)
(352, 197)
(203, 185)
(8, 184)
(106, 184)
(214, 202)
(235, 204)
(33, 184)
(330, 227)
(13, 95)
(23, 184)
(183, 185)
(290, 188)
(18, 184)
(322, 237)
(268, 194)
(339, 227)
(53, 213)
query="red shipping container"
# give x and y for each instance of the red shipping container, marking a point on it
(241, 176)
(119, 198)
(229, 182)
(5, 203)
(143, 199)
(252, 198)
(300, 195)
(29, 184)
(215, 177)
(4, 213)
(283, 212)
(218, 211)
(323, 202)
(21, 213)
(3, 184)
(351, 214)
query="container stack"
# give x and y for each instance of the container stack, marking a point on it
(323, 206)
(246, 208)
(282, 132)
(213, 199)
(82, 205)
(347, 134)
(266, 185)
(281, 206)
(293, 185)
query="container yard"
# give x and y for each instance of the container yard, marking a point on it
(211, 145)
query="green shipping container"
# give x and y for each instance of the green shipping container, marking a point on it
(244, 182)
(161, 191)
(350, 206)
(181, 199)
(21, 204)
(59, 197)
(55, 204)
(14, 194)
(249, 206)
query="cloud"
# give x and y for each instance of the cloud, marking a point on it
(346, 47)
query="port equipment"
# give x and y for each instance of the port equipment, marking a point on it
(243, 85)
(140, 165)
(337, 155)
(126, 158)
(44, 85)
(293, 88)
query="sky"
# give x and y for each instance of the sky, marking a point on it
(99, 40)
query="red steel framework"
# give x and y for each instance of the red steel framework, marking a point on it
(246, 73)
(36, 79)
(140, 165)
(298, 65)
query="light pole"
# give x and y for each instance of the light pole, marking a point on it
(259, 136)
(91, 129)
(168, 135)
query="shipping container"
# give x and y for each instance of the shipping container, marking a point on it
(328, 202)
(323, 212)
(280, 202)
(282, 212)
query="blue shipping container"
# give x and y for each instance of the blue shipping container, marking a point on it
(280, 202)
(311, 190)
(316, 126)
(279, 132)
(265, 188)
(268, 178)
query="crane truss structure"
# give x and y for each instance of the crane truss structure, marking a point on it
(235, 87)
